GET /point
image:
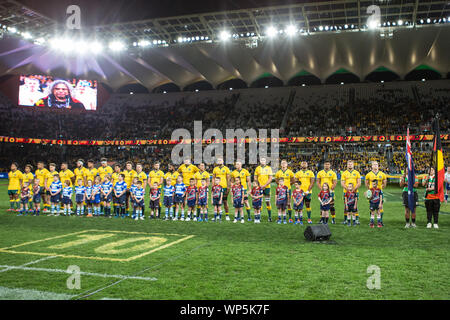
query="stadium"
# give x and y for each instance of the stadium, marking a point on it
(198, 152)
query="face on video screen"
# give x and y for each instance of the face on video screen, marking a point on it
(45, 91)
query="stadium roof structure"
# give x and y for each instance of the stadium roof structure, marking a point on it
(319, 38)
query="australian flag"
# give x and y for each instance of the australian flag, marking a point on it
(411, 173)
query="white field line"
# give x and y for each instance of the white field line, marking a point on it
(30, 294)
(103, 275)
(26, 264)
(91, 292)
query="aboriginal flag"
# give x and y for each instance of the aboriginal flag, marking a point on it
(438, 161)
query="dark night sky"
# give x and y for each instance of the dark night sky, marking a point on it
(95, 12)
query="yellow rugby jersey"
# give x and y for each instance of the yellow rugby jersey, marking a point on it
(380, 176)
(326, 176)
(66, 175)
(155, 176)
(262, 174)
(50, 177)
(41, 175)
(79, 174)
(14, 180)
(222, 172)
(142, 176)
(129, 176)
(187, 172)
(104, 171)
(201, 175)
(242, 174)
(286, 175)
(350, 177)
(90, 174)
(173, 176)
(27, 177)
(115, 177)
(304, 176)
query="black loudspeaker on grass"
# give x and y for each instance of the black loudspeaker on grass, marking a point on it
(320, 232)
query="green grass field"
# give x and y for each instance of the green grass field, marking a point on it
(155, 259)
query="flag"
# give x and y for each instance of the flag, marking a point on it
(438, 161)
(411, 173)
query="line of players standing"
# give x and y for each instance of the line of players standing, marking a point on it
(188, 188)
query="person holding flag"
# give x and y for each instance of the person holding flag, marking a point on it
(409, 182)
(434, 182)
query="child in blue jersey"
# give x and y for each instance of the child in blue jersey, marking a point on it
(132, 197)
(180, 192)
(106, 195)
(257, 194)
(139, 194)
(376, 204)
(88, 197)
(80, 195)
(203, 201)
(238, 200)
(155, 195)
(55, 195)
(36, 197)
(191, 200)
(67, 197)
(217, 197)
(119, 198)
(169, 190)
(96, 195)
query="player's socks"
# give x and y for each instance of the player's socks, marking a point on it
(326, 220)
(290, 213)
(171, 212)
(198, 211)
(345, 217)
(220, 215)
(356, 217)
(11, 204)
(269, 212)
(308, 213)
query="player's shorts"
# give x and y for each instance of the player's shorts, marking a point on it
(245, 195)
(298, 207)
(238, 203)
(325, 207)
(405, 198)
(281, 205)
(47, 192)
(225, 191)
(96, 199)
(108, 198)
(202, 202)
(191, 203)
(374, 206)
(139, 203)
(178, 199)
(216, 201)
(25, 200)
(55, 199)
(447, 186)
(120, 200)
(352, 208)
(266, 192)
(79, 198)
(168, 201)
(154, 204)
(257, 204)
(37, 198)
(12, 192)
(66, 200)
(307, 198)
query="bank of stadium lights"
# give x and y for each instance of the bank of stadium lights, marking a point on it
(224, 35)
(116, 46)
(271, 32)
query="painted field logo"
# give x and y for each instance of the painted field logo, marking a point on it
(103, 245)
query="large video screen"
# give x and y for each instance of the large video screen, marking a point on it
(49, 92)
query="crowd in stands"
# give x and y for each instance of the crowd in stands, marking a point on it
(354, 109)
